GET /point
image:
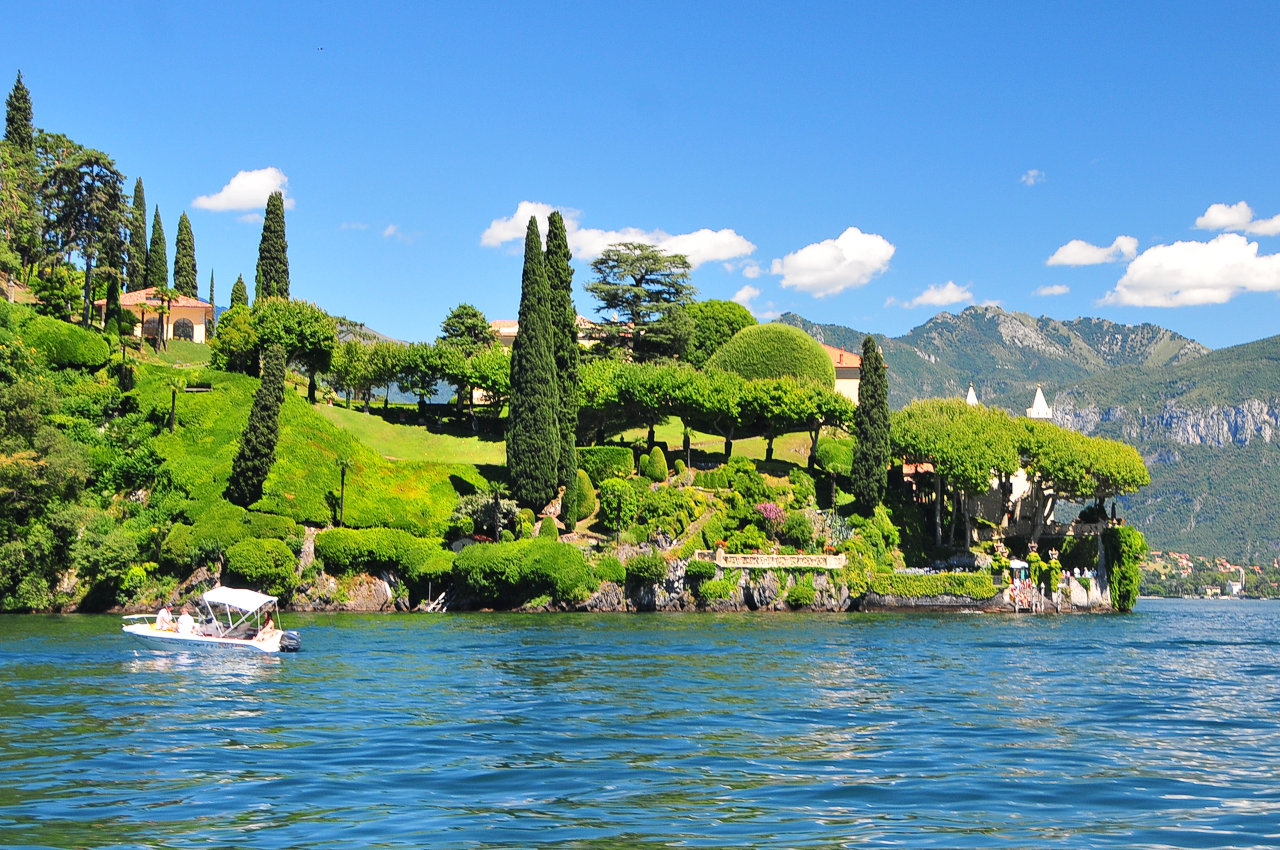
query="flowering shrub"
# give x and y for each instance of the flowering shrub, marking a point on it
(773, 516)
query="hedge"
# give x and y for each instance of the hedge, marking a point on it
(775, 350)
(646, 569)
(802, 593)
(345, 551)
(974, 585)
(716, 588)
(654, 465)
(586, 500)
(64, 345)
(265, 565)
(547, 530)
(271, 525)
(698, 570)
(601, 462)
(610, 568)
(506, 575)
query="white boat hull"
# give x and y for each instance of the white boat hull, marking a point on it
(163, 639)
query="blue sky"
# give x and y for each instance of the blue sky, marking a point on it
(868, 164)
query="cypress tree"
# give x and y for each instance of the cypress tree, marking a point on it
(239, 293)
(533, 436)
(213, 325)
(257, 452)
(871, 428)
(273, 252)
(184, 259)
(19, 130)
(112, 311)
(565, 323)
(157, 256)
(137, 278)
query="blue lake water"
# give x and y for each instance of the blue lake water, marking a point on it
(1159, 729)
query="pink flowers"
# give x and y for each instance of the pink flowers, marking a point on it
(773, 516)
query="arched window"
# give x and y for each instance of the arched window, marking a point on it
(151, 327)
(183, 329)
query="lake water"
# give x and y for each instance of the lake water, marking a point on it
(1159, 729)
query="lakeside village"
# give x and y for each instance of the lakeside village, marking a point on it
(675, 456)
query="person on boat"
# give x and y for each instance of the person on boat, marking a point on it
(267, 630)
(186, 623)
(164, 620)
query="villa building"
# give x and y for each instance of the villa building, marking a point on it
(187, 318)
(848, 368)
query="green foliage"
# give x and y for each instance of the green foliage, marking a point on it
(585, 500)
(564, 320)
(775, 351)
(646, 569)
(265, 565)
(749, 539)
(802, 593)
(601, 462)
(699, 570)
(346, 551)
(19, 131)
(157, 255)
(270, 525)
(645, 288)
(803, 490)
(239, 293)
(798, 530)
(272, 275)
(184, 259)
(62, 345)
(714, 324)
(547, 530)
(138, 239)
(235, 348)
(618, 503)
(533, 431)
(869, 469)
(835, 454)
(506, 575)
(972, 585)
(1126, 548)
(611, 569)
(716, 588)
(258, 444)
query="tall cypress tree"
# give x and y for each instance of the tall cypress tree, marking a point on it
(239, 293)
(533, 436)
(137, 276)
(273, 252)
(257, 451)
(157, 256)
(565, 322)
(112, 311)
(213, 324)
(871, 428)
(184, 259)
(19, 130)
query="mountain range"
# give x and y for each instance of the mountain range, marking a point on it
(1207, 422)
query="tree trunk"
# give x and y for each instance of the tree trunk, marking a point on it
(311, 387)
(955, 515)
(768, 449)
(813, 448)
(386, 398)
(173, 407)
(342, 496)
(688, 454)
(651, 437)
(728, 448)
(88, 291)
(937, 509)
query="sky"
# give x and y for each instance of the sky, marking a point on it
(867, 164)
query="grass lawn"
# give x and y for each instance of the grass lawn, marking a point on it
(787, 449)
(417, 496)
(414, 442)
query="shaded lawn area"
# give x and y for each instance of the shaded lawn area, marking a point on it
(180, 352)
(417, 496)
(709, 448)
(414, 442)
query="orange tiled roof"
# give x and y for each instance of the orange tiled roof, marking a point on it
(841, 358)
(144, 296)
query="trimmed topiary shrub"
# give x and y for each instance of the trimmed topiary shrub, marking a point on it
(507, 575)
(603, 462)
(699, 570)
(346, 551)
(586, 501)
(610, 568)
(548, 530)
(974, 585)
(716, 588)
(775, 350)
(63, 345)
(271, 525)
(1125, 547)
(265, 565)
(646, 569)
(802, 593)
(656, 465)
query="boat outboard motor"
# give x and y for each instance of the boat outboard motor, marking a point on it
(290, 641)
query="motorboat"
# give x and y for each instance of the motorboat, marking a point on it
(229, 617)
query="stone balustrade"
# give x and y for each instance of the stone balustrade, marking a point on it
(769, 561)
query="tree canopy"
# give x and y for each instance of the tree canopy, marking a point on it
(640, 288)
(714, 323)
(184, 260)
(272, 278)
(775, 350)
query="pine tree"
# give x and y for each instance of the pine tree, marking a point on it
(19, 130)
(257, 451)
(137, 277)
(273, 252)
(871, 428)
(157, 256)
(239, 293)
(533, 438)
(184, 259)
(564, 319)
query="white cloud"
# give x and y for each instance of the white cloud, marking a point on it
(833, 265)
(390, 230)
(587, 243)
(1191, 273)
(749, 293)
(1032, 177)
(1077, 252)
(938, 295)
(1238, 216)
(250, 218)
(1055, 289)
(751, 271)
(353, 225)
(248, 190)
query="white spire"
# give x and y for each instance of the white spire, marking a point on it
(1039, 408)
(972, 398)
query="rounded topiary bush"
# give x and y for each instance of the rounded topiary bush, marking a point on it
(507, 575)
(646, 569)
(65, 345)
(610, 568)
(603, 462)
(775, 350)
(586, 501)
(657, 469)
(699, 570)
(265, 565)
(548, 530)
